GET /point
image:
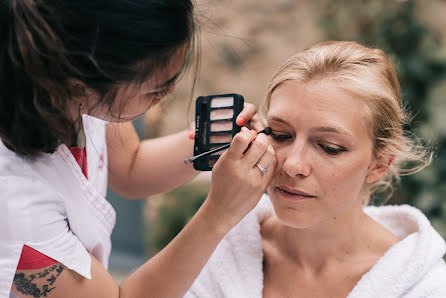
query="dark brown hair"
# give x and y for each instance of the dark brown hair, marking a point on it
(47, 45)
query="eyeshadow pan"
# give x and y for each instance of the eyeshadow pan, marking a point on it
(221, 114)
(221, 126)
(224, 138)
(212, 162)
(222, 102)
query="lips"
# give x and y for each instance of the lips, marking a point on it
(294, 193)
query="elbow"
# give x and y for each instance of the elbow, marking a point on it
(121, 293)
(126, 190)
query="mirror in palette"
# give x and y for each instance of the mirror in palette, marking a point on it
(215, 126)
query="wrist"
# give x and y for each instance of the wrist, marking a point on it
(218, 221)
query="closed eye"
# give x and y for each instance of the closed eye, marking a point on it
(332, 150)
(157, 94)
(161, 93)
(280, 137)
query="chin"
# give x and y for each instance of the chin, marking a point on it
(301, 216)
(294, 218)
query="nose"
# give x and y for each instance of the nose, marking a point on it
(296, 161)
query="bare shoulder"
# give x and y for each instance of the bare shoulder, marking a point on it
(59, 281)
(382, 238)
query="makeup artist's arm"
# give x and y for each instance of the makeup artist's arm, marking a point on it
(142, 168)
(236, 188)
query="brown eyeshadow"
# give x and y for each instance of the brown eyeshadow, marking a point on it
(212, 161)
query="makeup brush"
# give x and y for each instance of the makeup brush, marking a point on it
(266, 131)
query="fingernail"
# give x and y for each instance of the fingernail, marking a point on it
(244, 129)
(240, 121)
(191, 134)
(254, 132)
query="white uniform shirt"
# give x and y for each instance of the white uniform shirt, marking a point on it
(47, 203)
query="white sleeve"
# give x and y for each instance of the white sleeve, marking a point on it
(32, 213)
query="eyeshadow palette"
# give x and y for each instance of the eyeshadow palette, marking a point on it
(215, 126)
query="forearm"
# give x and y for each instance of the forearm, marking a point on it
(160, 163)
(171, 272)
(236, 188)
(148, 167)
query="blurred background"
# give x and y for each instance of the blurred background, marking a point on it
(241, 43)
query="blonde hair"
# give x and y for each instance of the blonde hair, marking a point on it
(369, 74)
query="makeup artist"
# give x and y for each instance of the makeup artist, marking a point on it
(67, 69)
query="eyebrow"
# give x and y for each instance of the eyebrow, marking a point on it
(330, 129)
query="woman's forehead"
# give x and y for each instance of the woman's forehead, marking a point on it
(324, 104)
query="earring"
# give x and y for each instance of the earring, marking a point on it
(81, 140)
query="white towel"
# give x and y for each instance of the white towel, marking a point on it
(414, 267)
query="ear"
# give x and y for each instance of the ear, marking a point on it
(379, 167)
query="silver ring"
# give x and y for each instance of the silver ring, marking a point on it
(262, 169)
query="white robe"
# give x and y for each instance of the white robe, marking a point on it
(413, 267)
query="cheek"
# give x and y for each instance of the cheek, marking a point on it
(136, 106)
(281, 155)
(343, 179)
(281, 149)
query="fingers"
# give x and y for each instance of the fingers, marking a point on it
(192, 131)
(249, 110)
(241, 142)
(249, 117)
(257, 149)
(267, 161)
(256, 123)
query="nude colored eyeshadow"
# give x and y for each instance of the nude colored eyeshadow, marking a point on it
(221, 114)
(225, 138)
(218, 102)
(221, 126)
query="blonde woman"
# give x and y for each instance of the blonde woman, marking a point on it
(336, 115)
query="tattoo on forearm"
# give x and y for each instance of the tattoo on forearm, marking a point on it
(27, 284)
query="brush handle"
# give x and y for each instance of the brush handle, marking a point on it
(266, 131)
(193, 158)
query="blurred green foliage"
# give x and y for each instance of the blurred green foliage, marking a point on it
(393, 26)
(176, 209)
